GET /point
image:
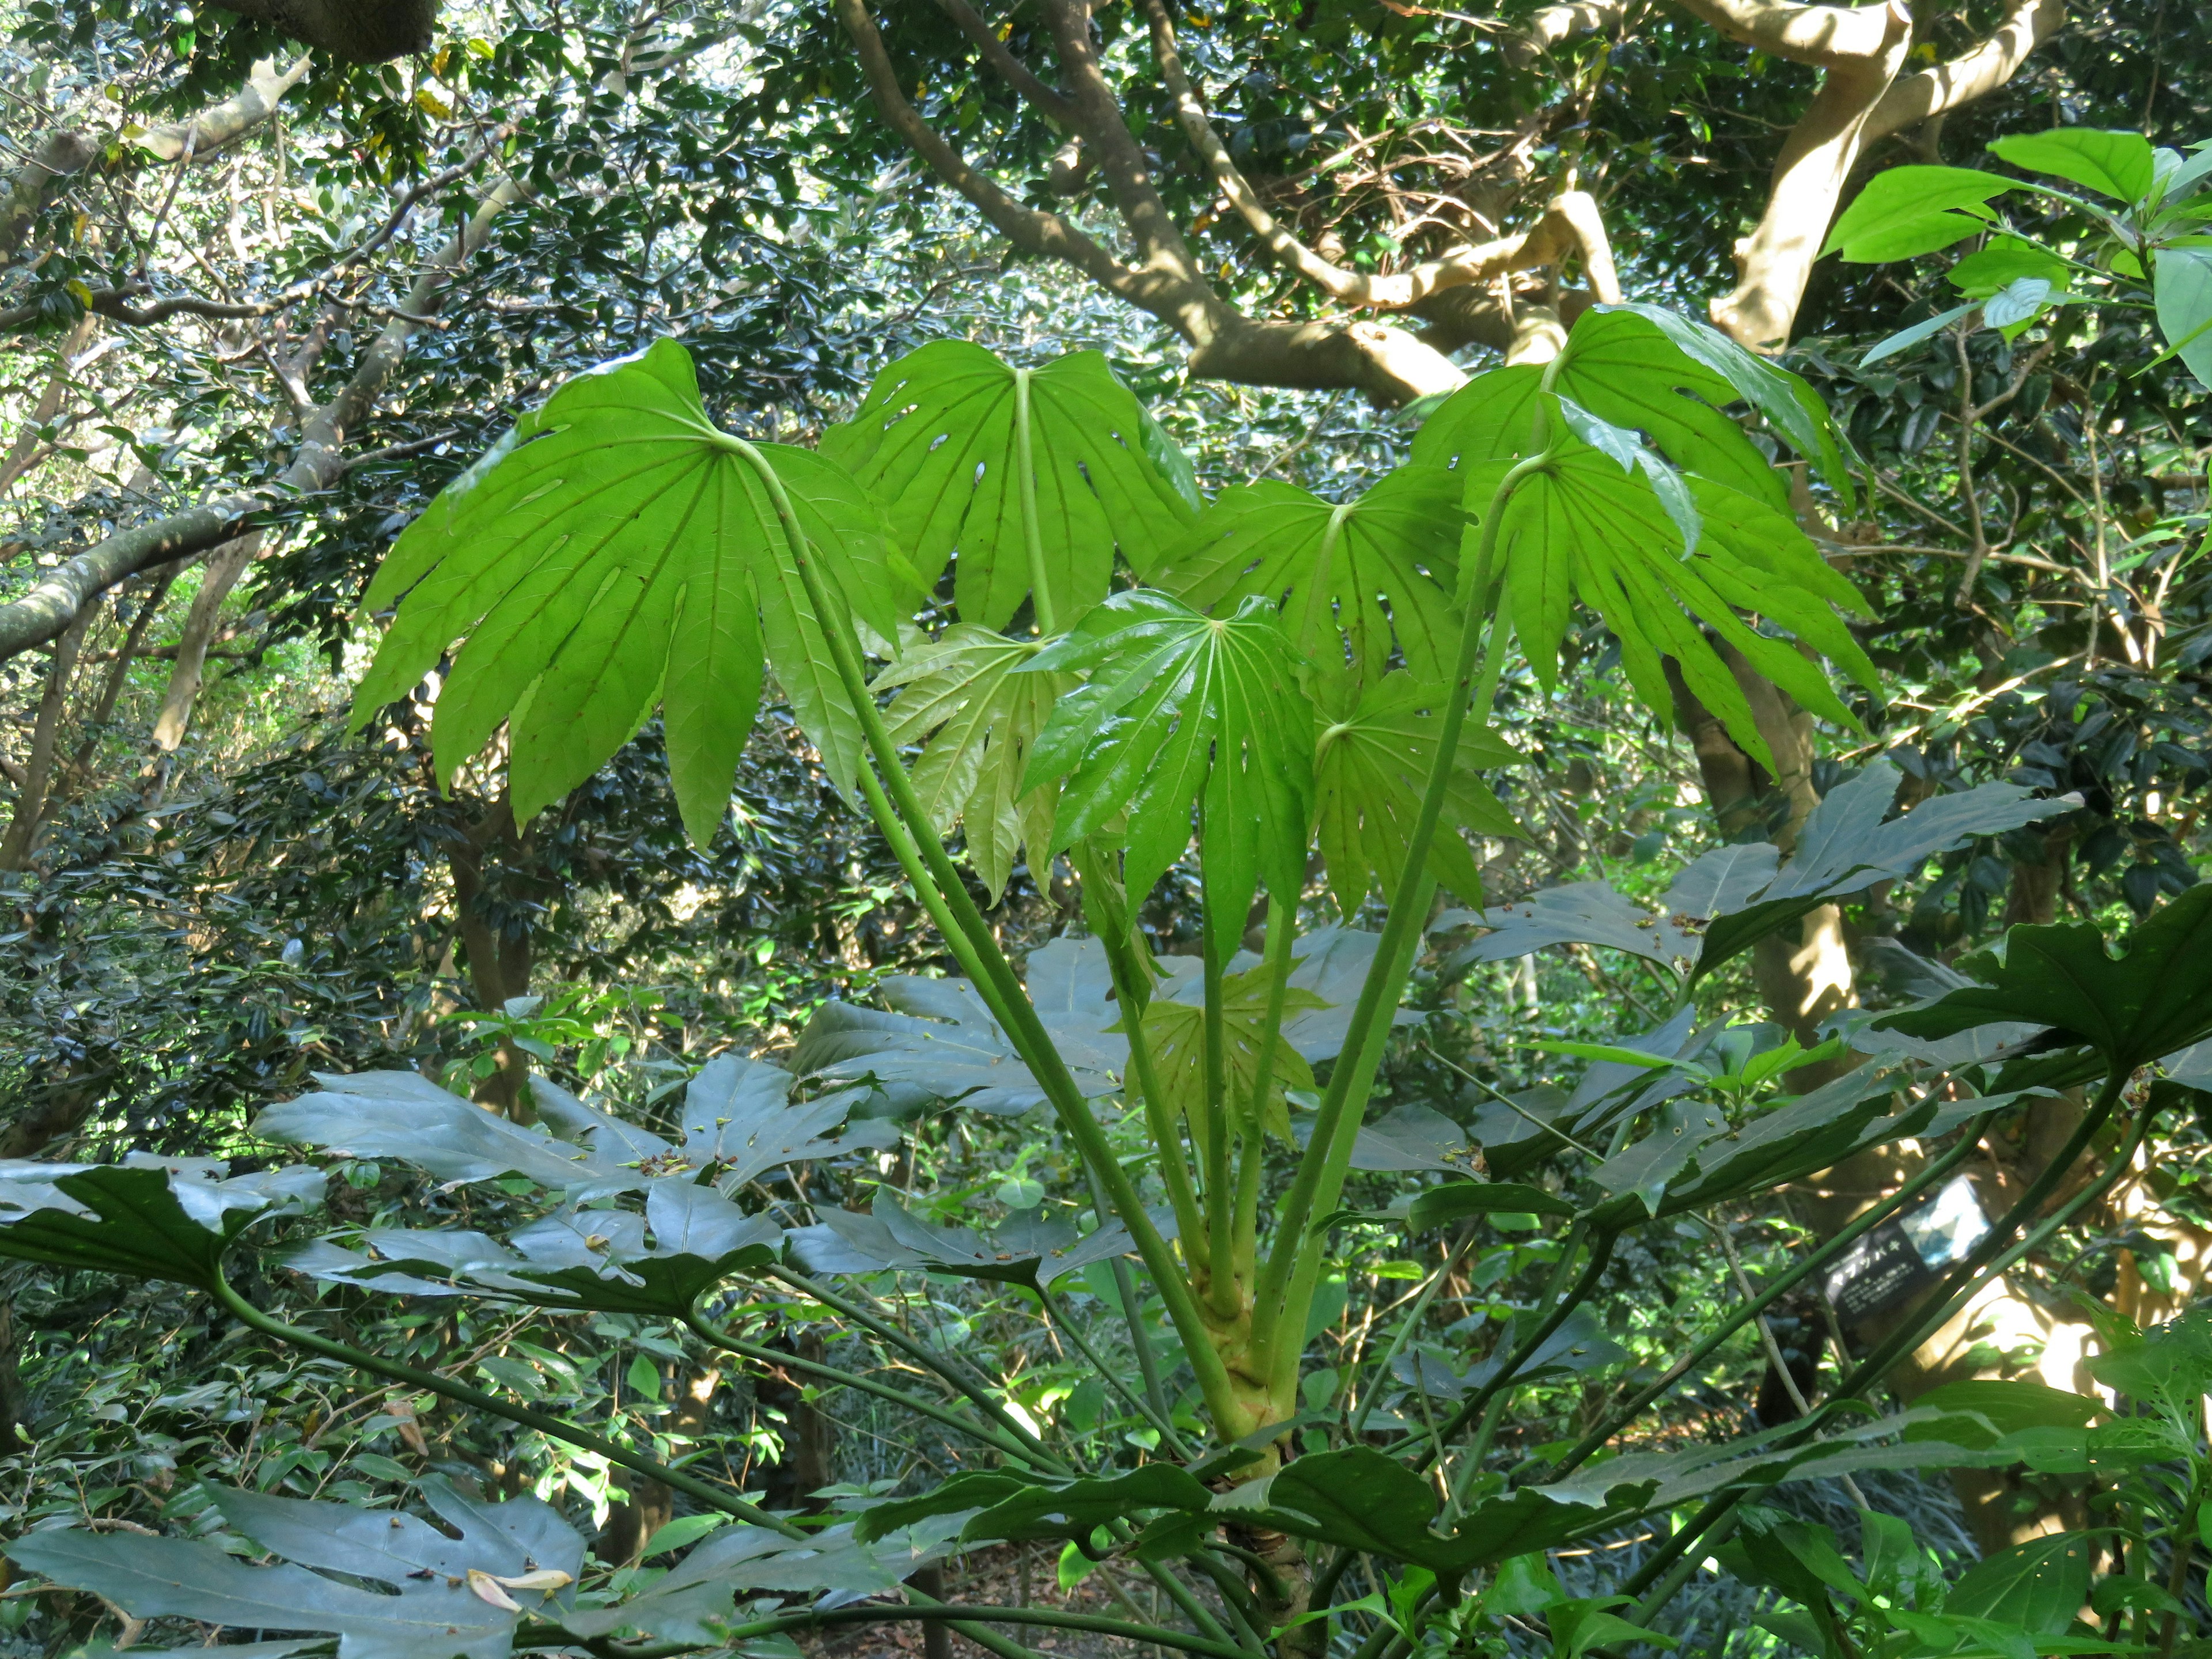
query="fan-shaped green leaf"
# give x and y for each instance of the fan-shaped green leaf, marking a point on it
(624, 552)
(1181, 709)
(942, 437)
(1370, 766)
(1176, 1032)
(1382, 566)
(1581, 528)
(1652, 354)
(964, 688)
(146, 1218)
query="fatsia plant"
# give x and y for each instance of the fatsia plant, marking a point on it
(1113, 675)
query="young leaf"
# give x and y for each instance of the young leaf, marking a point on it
(939, 437)
(626, 553)
(1911, 211)
(964, 688)
(1177, 1032)
(1381, 566)
(2119, 164)
(1370, 766)
(1180, 709)
(2155, 999)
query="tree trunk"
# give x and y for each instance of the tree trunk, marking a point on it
(46, 738)
(809, 1449)
(499, 956)
(225, 564)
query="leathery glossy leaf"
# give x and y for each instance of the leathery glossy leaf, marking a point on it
(1181, 709)
(2155, 999)
(981, 718)
(146, 1218)
(1576, 912)
(2182, 287)
(1371, 570)
(624, 553)
(937, 438)
(1370, 766)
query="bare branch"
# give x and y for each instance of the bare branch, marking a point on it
(1035, 233)
(54, 602)
(1571, 224)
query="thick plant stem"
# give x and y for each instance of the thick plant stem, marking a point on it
(1596, 1440)
(1223, 1295)
(1282, 932)
(1132, 993)
(1033, 530)
(1329, 1152)
(993, 976)
(491, 1405)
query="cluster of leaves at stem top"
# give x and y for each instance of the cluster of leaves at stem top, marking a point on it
(1096, 662)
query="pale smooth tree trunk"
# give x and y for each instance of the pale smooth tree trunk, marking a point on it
(225, 565)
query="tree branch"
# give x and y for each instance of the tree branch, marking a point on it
(1916, 98)
(1050, 101)
(1571, 224)
(1046, 234)
(1828, 37)
(62, 154)
(50, 606)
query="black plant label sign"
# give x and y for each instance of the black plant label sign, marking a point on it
(1904, 1254)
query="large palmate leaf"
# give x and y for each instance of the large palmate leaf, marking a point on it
(985, 718)
(1370, 766)
(738, 1122)
(449, 1597)
(1369, 571)
(949, 437)
(624, 552)
(940, 1038)
(2155, 999)
(1575, 913)
(573, 1258)
(1031, 1251)
(146, 1218)
(1181, 709)
(1582, 528)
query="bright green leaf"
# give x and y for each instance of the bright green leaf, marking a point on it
(1911, 211)
(963, 687)
(1371, 767)
(937, 438)
(1379, 567)
(2119, 164)
(1182, 709)
(626, 553)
